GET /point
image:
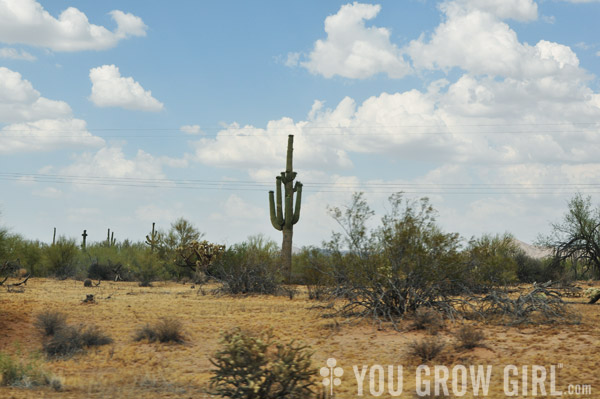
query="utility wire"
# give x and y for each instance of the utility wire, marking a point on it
(325, 187)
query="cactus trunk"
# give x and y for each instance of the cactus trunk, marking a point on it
(284, 215)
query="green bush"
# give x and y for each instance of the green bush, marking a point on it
(260, 367)
(61, 259)
(251, 267)
(492, 260)
(25, 374)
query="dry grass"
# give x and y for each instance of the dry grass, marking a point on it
(129, 369)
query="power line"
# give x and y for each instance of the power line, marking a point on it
(324, 187)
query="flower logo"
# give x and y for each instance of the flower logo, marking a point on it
(331, 374)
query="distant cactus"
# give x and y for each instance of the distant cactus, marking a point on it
(281, 221)
(110, 239)
(84, 235)
(54, 237)
(153, 238)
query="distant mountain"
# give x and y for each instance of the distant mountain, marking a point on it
(534, 251)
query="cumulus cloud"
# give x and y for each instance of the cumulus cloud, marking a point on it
(110, 89)
(112, 162)
(47, 135)
(27, 22)
(14, 54)
(352, 49)
(191, 129)
(35, 123)
(478, 41)
(19, 101)
(520, 10)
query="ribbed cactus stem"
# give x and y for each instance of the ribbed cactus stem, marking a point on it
(284, 215)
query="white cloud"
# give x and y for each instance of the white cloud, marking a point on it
(191, 129)
(19, 101)
(112, 162)
(353, 50)
(478, 41)
(236, 210)
(35, 123)
(47, 135)
(162, 214)
(110, 89)
(292, 60)
(520, 10)
(27, 22)
(14, 54)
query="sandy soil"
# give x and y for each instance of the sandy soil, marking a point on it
(128, 369)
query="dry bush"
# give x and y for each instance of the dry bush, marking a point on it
(469, 337)
(93, 336)
(539, 306)
(70, 340)
(165, 330)
(50, 321)
(65, 342)
(428, 319)
(426, 349)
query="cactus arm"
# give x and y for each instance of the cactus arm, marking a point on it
(274, 221)
(279, 204)
(289, 198)
(298, 190)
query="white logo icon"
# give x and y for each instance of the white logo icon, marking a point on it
(331, 374)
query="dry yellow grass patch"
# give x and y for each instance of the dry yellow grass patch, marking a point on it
(128, 369)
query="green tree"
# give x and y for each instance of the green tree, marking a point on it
(577, 237)
(182, 232)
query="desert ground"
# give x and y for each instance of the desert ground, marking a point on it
(129, 369)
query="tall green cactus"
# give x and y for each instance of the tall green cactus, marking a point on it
(152, 239)
(286, 215)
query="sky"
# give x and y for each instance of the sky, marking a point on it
(119, 114)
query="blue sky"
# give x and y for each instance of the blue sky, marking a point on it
(119, 114)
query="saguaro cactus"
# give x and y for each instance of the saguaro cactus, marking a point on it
(84, 235)
(285, 215)
(152, 238)
(110, 239)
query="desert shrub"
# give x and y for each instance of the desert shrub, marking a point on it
(469, 337)
(541, 305)
(145, 266)
(405, 264)
(260, 367)
(61, 259)
(428, 319)
(65, 342)
(93, 336)
(530, 269)
(70, 340)
(249, 268)
(426, 349)
(491, 260)
(29, 253)
(312, 267)
(165, 330)
(50, 321)
(26, 374)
